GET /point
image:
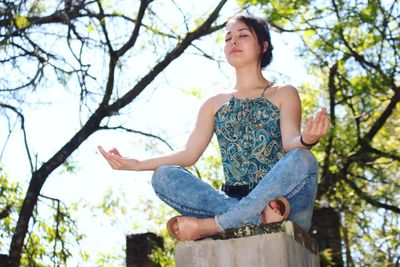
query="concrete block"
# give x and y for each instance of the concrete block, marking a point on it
(283, 244)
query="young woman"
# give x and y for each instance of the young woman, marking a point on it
(270, 174)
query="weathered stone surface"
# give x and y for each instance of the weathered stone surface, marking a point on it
(279, 244)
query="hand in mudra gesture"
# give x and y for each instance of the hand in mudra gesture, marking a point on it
(117, 161)
(317, 127)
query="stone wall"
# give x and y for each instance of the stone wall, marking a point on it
(281, 244)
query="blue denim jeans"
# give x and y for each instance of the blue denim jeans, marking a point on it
(293, 177)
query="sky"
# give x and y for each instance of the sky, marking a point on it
(162, 109)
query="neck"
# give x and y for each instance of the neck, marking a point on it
(249, 79)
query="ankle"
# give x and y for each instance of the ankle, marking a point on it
(209, 226)
(218, 226)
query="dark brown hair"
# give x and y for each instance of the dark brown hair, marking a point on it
(261, 29)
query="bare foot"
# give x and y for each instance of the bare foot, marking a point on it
(175, 228)
(191, 228)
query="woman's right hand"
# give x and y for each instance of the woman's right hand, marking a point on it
(117, 161)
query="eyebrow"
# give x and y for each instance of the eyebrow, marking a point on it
(242, 29)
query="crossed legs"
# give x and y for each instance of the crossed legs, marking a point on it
(207, 211)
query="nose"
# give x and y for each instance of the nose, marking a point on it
(234, 41)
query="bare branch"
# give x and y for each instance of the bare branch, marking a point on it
(147, 135)
(21, 116)
(132, 40)
(92, 125)
(104, 27)
(32, 82)
(137, 132)
(176, 52)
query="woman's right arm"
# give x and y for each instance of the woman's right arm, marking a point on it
(188, 155)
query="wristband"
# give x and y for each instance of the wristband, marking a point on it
(305, 144)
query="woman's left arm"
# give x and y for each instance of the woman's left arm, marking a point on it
(290, 120)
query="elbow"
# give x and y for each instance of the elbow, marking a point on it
(189, 158)
(287, 149)
(190, 161)
(291, 143)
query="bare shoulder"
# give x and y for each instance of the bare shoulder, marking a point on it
(214, 102)
(287, 93)
(289, 98)
(282, 94)
(286, 89)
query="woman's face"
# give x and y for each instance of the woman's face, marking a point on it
(241, 45)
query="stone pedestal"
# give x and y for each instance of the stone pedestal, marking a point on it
(281, 244)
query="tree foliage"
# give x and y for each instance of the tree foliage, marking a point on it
(43, 41)
(49, 236)
(352, 49)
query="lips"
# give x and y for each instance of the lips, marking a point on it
(234, 51)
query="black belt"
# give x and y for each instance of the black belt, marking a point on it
(236, 191)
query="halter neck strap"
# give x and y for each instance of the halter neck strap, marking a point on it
(266, 87)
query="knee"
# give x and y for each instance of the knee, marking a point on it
(304, 157)
(161, 176)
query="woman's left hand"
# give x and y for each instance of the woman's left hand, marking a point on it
(317, 127)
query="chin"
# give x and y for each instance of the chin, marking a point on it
(239, 63)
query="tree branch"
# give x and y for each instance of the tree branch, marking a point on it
(147, 135)
(368, 199)
(383, 118)
(135, 33)
(103, 25)
(360, 58)
(137, 132)
(176, 52)
(92, 125)
(21, 116)
(382, 153)
(328, 150)
(57, 17)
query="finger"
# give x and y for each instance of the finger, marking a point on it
(321, 124)
(313, 127)
(327, 125)
(116, 152)
(102, 151)
(317, 118)
(309, 124)
(111, 158)
(114, 162)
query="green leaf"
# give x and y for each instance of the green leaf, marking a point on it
(21, 22)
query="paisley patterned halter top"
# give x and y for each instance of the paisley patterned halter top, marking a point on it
(249, 136)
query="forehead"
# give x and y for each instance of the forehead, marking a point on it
(235, 26)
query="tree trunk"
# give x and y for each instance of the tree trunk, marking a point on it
(139, 247)
(326, 230)
(38, 179)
